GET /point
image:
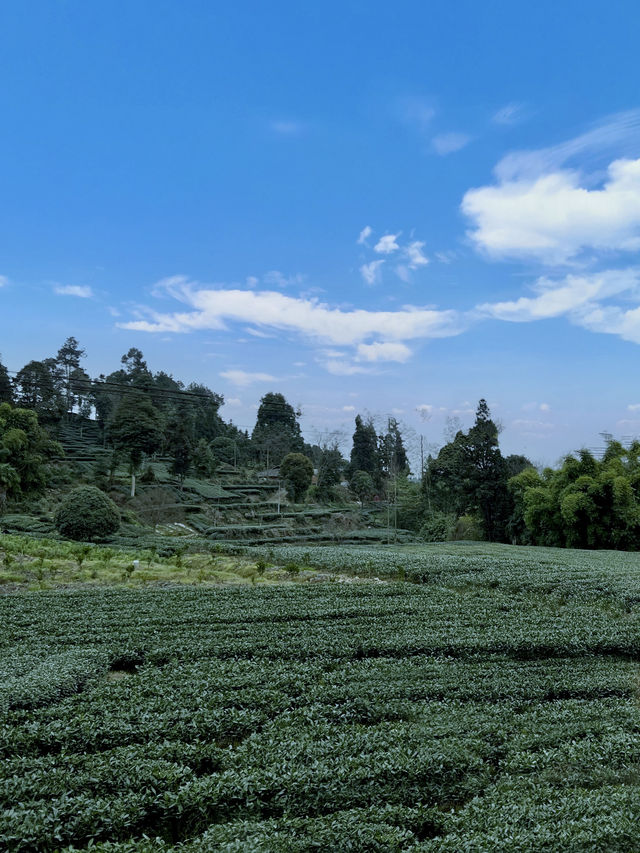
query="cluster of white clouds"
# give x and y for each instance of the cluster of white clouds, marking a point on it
(538, 208)
(410, 256)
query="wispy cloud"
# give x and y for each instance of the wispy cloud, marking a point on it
(448, 143)
(366, 232)
(278, 279)
(342, 367)
(387, 244)
(371, 272)
(81, 291)
(415, 256)
(287, 127)
(243, 378)
(509, 114)
(383, 351)
(212, 308)
(4, 281)
(574, 295)
(617, 135)
(416, 110)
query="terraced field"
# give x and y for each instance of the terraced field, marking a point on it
(473, 698)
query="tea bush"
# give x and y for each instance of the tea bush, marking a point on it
(87, 514)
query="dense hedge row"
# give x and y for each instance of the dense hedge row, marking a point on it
(456, 714)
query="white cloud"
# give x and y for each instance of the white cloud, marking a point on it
(535, 407)
(366, 232)
(569, 295)
(343, 368)
(415, 255)
(553, 218)
(634, 407)
(252, 281)
(287, 127)
(383, 351)
(348, 408)
(445, 257)
(276, 278)
(3, 281)
(612, 320)
(387, 244)
(232, 402)
(82, 291)
(448, 143)
(244, 378)
(509, 114)
(371, 272)
(209, 308)
(257, 333)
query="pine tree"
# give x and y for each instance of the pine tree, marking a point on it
(364, 453)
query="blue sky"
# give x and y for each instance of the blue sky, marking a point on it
(369, 208)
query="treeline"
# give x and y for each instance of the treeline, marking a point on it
(468, 490)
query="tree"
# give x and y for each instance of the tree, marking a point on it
(39, 386)
(391, 452)
(68, 360)
(203, 460)
(25, 450)
(135, 431)
(277, 431)
(297, 470)
(487, 475)
(364, 453)
(469, 476)
(331, 467)
(205, 405)
(179, 438)
(362, 485)
(6, 388)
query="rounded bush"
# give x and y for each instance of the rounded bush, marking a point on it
(87, 514)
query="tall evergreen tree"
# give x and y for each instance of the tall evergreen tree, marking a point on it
(277, 431)
(364, 452)
(68, 360)
(6, 386)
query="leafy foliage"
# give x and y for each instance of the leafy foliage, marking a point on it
(297, 470)
(87, 514)
(587, 503)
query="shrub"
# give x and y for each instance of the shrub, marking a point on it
(438, 527)
(87, 514)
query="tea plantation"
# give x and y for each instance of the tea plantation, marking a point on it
(458, 698)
